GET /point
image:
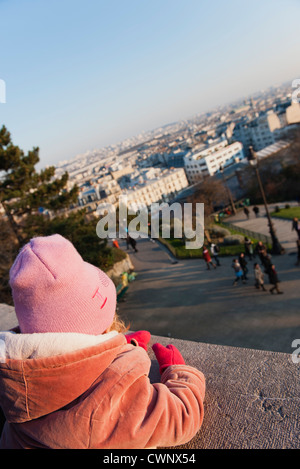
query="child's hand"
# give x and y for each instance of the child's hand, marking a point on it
(167, 356)
(140, 338)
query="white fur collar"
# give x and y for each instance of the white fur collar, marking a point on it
(42, 345)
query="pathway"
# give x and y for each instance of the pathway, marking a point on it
(187, 301)
(283, 228)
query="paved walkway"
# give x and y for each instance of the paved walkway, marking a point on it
(187, 301)
(283, 228)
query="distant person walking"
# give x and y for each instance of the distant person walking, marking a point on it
(215, 249)
(248, 248)
(298, 253)
(207, 258)
(259, 277)
(238, 272)
(246, 212)
(273, 278)
(243, 263)
(261, 250)
(256, 210)
(132, 243)
(266, 261)
(115, 244)
(295, 226)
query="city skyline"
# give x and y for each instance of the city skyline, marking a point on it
(84, 76)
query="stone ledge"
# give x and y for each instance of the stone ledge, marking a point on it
(252, 396)
(117, 270)
(8, 318)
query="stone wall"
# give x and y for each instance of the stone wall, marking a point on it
(252, 396)
(120, 267)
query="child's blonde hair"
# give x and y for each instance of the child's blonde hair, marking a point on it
(118, 325)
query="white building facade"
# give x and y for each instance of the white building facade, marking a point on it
(162, 186)
(209, 160)
(263, 130)
(259, 133)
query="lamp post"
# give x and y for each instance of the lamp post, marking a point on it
(276, 246)
(228, 190)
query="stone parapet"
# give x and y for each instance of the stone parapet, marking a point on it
(119, 268)
(252, 396)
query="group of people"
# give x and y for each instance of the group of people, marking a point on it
(255, 210)
(214, 251)
(240, 267)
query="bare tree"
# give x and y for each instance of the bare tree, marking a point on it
(212, 193)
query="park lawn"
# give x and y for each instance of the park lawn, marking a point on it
(179, 250)
(288, 213)
(236, 231)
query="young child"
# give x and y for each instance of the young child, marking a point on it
(70, 378)
(238, 272)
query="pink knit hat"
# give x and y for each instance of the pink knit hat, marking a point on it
(54, 290)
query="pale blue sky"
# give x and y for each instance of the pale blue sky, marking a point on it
(84, 74)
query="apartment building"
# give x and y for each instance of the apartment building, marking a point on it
(293, 114)
(208, 161)
(149, 186)
(263, 129)
(259, 133)
(99, 188)
(155, 185)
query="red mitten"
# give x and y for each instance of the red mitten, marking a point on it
(167, 356)
(140, 338)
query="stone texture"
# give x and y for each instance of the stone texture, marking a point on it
(252, 396)
(8, 318)
(119, 268)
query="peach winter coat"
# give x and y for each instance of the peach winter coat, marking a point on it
(74, 391)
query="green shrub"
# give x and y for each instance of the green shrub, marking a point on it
(218, 231)
(234, 239)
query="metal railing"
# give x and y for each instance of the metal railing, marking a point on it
(251, 234)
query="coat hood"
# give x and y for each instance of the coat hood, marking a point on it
(41, 373)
